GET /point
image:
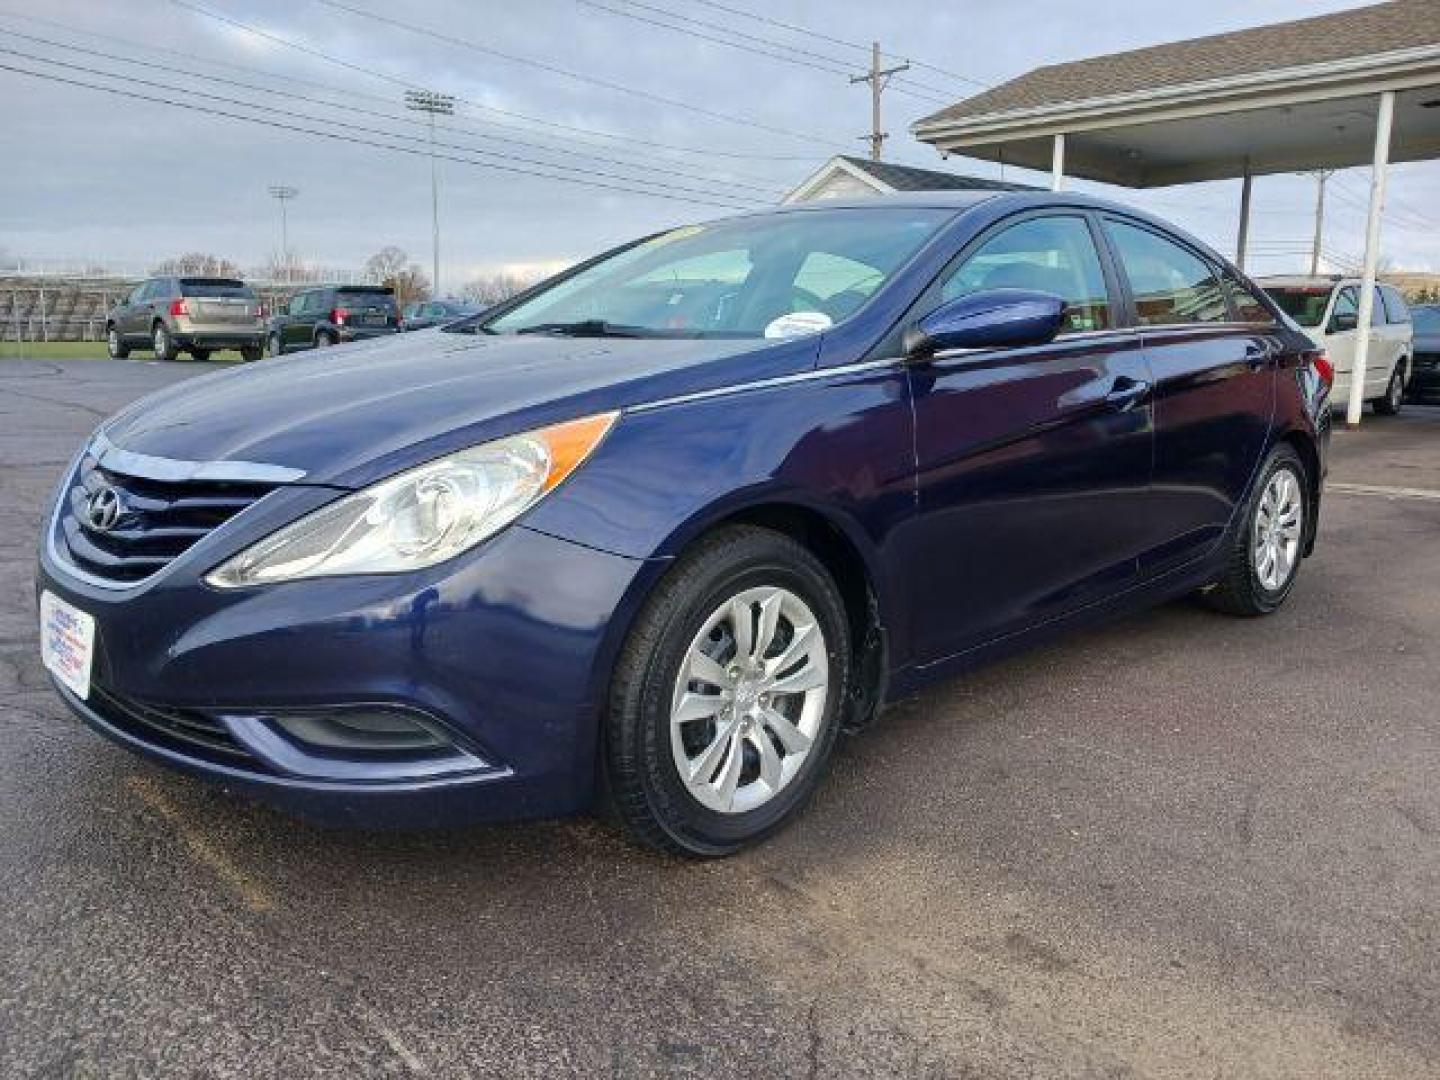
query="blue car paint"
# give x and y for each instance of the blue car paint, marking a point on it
(990, 500)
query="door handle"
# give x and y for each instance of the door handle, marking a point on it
(1126, 392)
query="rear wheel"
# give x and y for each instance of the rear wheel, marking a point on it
(115, 345)
(163, 344)
(201, 355)
(277, 346)
(251, 353)
(324, 339)
(727, 697)
(1394, 398)
(1265, 554)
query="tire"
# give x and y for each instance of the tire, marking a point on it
(1394, 397)
(162, 343)
(277, 345)
(200, 355)
(735, 568)
(1247, 589)
(115, 344)
(251, 353)
(324, 339)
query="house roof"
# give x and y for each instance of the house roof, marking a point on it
(1367, 31)
(911, 178)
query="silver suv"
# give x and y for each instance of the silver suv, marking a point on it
(194, 314)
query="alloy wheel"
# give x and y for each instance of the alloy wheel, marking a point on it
(749, 700)
(1279, 519)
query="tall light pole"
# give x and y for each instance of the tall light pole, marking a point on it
(283, 193)
(431, 104)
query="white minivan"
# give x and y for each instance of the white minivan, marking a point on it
(1327, 308)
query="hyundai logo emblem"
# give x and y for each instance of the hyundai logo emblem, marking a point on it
(103, 509)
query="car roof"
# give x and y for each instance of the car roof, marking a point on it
(1303, 281)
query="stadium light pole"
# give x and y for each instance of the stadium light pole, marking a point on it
(432, 104)
(283, 193)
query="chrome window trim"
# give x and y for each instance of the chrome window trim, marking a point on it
(764, 384)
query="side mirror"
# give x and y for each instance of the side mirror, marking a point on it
(993, 319)
(1343, 321)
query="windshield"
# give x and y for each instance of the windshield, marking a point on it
(775, 275)
(1304, 304)
(1427, 319)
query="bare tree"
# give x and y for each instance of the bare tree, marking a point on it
(391, 266)
(493, 288)
(288, 267)
(199, 264)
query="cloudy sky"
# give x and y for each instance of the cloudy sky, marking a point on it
(652, 125)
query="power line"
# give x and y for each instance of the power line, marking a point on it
(736, 201)
(830, 65)
(112, 39)
(336, 137)
(793, 28)
(291, 96)
(553, 69)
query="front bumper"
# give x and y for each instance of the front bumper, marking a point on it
(1424, 385)
(509, 648)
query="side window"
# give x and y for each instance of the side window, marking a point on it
(1050, 254)
(1171, 284)
(1248, 307)
(137, 294)
(314, 302)
(297, 304)
(1347, 303)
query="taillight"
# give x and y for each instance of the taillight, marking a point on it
(1324, 368)
(339, 315)
(178, 308)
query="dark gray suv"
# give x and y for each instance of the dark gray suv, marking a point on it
(332, 314)
(195, 314)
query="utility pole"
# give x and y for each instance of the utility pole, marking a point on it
(878, 78)
(283, 193)
(1321, 175)
(431, 103)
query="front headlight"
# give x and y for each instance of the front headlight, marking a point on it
(424, 516)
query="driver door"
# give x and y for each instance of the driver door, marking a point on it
(1033, 463)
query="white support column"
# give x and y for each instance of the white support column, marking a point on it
(1384, 118)
(1057, 162)
(1242, 238)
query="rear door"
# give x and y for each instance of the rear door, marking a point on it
(1214, 380)
(1033, 464)
(300, 322)
(125, 318)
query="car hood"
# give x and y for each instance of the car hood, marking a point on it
(348, 415)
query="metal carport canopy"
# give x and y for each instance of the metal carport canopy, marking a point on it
(1332, 91)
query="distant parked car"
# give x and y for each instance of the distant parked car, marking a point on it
(194, 314)
(1424, 386)
(424, 314)
(1328, 309)
(332, 314)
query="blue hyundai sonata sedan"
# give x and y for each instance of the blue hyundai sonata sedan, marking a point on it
(648, 536)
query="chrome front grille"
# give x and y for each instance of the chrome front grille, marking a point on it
(122, 528)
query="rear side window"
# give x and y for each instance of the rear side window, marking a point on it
(1248, 307)
(216, 287)
(1396, 310)
(1050, 254)
(1305, 304)
(1170, 283)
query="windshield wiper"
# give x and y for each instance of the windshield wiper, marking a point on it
(587, 328)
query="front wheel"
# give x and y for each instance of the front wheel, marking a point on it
(1265, 554)
(726, 699)
(200, 355)
(251, 353)
(1394, 398)
(277, 346)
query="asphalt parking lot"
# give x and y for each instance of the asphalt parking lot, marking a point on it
(1183, 845)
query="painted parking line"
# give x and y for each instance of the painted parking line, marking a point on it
(1426, 494)
(251, 892)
